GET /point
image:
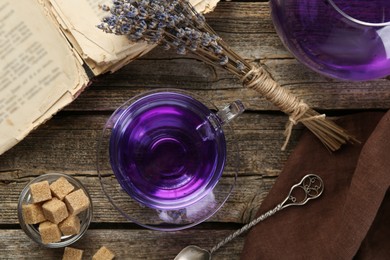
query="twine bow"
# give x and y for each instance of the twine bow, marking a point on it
(259, 80)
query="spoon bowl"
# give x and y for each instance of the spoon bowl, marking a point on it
(193, 253)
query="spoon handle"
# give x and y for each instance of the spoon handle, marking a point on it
(312, 187)
(246, 228)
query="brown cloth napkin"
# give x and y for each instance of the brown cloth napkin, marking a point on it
(351, 219)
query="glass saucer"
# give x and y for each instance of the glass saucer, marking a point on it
(164, 219)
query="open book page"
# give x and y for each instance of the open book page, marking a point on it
(204, 6)
(39, 72)
(101, 51)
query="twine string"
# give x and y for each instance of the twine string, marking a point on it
(292, 122)
(259, 80)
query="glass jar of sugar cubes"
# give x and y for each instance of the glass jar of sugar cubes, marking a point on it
(55, 210)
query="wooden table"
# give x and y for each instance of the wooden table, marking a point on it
(67, 142)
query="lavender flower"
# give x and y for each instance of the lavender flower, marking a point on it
(172, 24)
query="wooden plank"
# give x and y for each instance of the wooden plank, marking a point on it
(68, 143)
(241, 207)
(127, 244)
(323, 95)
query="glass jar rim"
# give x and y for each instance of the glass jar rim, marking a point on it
(355, 20)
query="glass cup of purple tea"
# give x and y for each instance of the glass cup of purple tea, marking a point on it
(167, 159)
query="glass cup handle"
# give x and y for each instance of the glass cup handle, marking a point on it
(217, 120)
(230, 112)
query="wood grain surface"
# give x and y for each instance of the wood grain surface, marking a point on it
(67, 142)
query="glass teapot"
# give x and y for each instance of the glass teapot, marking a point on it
(341, 39)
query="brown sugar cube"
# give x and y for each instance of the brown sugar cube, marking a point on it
(55, 210)
(33, 214)
(70, 226)
(40, 191)
(103, 254)
(71, 253)
(61, 187)
(50, 233)
(77, 201)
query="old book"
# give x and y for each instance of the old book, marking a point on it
(49, 51)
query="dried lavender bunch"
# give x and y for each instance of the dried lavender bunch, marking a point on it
(176, 24)
(172, 24)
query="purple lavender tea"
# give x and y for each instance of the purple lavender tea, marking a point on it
(159, 155)
(339, 38)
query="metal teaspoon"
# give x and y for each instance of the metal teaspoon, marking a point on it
(312, 187)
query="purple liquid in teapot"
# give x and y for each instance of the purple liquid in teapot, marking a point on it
(159, 156)
(339, 38)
